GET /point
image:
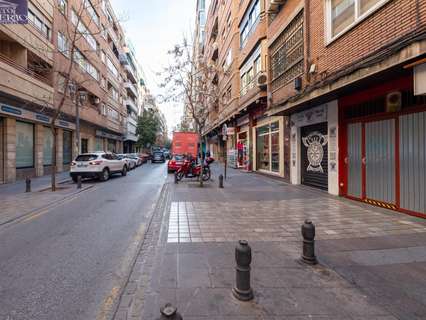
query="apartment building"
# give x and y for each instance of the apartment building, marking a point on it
(345, 107)
(34, 60)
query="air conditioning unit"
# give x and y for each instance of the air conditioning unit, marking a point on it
(262, 80)
(393, 101)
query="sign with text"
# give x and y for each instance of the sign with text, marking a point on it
(13, 11)
(230, 131)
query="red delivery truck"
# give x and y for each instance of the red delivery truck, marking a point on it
(185, 143)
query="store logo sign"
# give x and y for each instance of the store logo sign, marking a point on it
(14, 12)
(315, 142)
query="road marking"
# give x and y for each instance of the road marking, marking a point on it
(36, 214)
(107, 307)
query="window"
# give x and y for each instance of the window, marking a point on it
(63, 6)
(287, 53)
(112, 68)
(67, 147)
(250, 70)
(99, 144)
(113, 92)
(228, 60)
(343, 14)
(85, 64)
(84, 31)
(39, 24)
(63, 44)
(61, 83)
(268, 147)
(24, 145)
(249, 22)
(92, 12)
(47, 146)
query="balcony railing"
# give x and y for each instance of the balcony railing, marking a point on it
(27, 71)
(249, 85)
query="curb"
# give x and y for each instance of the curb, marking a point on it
(47, 206)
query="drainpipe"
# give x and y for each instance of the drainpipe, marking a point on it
(307, 33)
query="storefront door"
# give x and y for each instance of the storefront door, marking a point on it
(314, 157)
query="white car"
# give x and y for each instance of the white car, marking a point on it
(131, 163)
(97, 165)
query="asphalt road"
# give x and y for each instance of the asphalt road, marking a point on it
(70, 262)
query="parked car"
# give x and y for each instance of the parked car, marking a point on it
(158, 156)
(97, 165)
(131, 163)
(175, 163)
(167, 154)
(135, 157)
(144, 156)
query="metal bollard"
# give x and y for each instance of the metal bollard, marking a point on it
(242, 290)
(176, 179)
(221, 181)
(169, 312)
(27, 184)
(308, 233)
(78, 182)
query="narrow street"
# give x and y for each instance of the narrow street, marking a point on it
(71, 261)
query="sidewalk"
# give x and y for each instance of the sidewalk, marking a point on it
(372, 261)
(16, 204)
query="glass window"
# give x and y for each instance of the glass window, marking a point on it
(268, 147)
(63, 44)
(342, 15)
(24, 145)
(251, 19)
(47, 146)
(275, 151)
(62, 6)
(366, 5)
(99, 144)
(67, 147)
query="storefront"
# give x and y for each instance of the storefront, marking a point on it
(314, 152)
(269, 146)
(243, 143)
(113, 142)
(67, 147)
(383, 146)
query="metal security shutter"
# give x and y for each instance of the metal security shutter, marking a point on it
(380, 160)
(412, 155)
(355, 160)
(314, 156)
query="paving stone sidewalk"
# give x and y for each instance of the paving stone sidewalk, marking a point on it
(362, 251)
(15, 203)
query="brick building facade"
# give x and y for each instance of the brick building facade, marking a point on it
(34, 59)
(345, 109)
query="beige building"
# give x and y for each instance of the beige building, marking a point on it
(34, 60)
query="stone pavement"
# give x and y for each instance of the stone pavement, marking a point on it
(372, 261)
(16, 204)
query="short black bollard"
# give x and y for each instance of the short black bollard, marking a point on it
(221, 181)
(169, 312)
(176, 179)
(308, 233)
(242, 290)
(27, 184)
(78, 182)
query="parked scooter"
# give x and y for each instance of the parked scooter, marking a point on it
(190, 169)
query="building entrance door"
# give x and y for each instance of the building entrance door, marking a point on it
(314, 156)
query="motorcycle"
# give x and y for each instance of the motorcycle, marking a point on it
(191, 170)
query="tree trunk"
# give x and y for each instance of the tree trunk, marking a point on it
(54, 147)
(200, 177)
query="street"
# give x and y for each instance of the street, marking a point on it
(70, 262)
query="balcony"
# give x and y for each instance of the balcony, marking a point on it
(131, 88)
(132, 105)
(131, 73)
(24, 83)
(29, 37)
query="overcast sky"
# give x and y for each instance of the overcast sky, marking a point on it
(154, 26)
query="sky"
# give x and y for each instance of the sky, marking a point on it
(154, 27)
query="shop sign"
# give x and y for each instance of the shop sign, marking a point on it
(311, 116)
(315, 143)
(13, 11)
(103, 134)
(243, 120)
(230, 131)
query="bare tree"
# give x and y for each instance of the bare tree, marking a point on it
(193, 81)
(70, 78)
